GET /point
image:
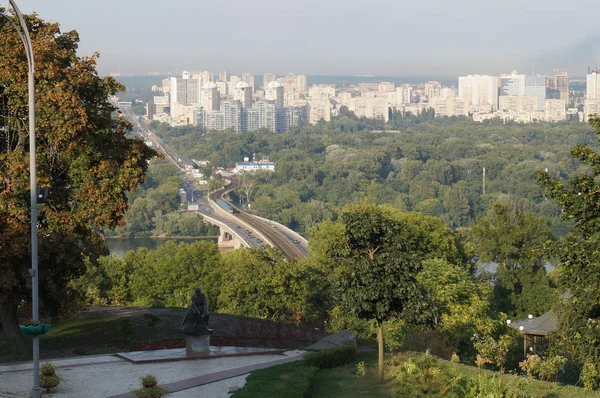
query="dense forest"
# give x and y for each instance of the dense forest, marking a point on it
(434, 166)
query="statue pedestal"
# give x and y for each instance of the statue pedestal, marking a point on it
(197, 344)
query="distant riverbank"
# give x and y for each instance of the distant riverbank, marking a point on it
(120, 246)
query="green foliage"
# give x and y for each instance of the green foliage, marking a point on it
(590, 376)
(151, 392)
(331, 357)
(463, 302)
(168, 275)
(518, 242)
(291, 380)
(263, 284)
(455, 358)
(149, 381)
(83, 157)
(549, 368)
(433, 166)
(378, 247)
(422, 376)
(493, 351)
(578, 254)
(361, 369)
(530, 365)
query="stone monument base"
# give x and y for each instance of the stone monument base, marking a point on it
(197, 344)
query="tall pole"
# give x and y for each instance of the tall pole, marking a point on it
(24, 33)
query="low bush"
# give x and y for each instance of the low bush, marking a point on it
(331, 357)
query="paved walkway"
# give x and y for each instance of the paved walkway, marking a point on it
(112, 376)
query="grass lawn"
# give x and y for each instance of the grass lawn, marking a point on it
(343, 382)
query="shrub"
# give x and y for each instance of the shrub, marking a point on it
(331, 357)
(590, 376)
(422, 376)
(150, 389)
(550, 367)
(455, 358)
(149, 381)
(361, 369)
(530, 365)
(152, 392)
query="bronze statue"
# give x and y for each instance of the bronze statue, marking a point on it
(195, 321)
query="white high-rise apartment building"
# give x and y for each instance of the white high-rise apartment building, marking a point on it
(321, 91)
(268, 78)
(319, 109)
(183, 91)
(386, 87)
(556, 110)
(432, 89)
(479, 90)
(224, 76)
(294, 83)
(248, 78)
(517, 84)
(592, 97)
(211, 99)
(449, 106)
(232, 111)
(243, 93)
(593, 85)
(275, 92)
(402, 95)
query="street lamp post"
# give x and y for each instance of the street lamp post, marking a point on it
(24, 34)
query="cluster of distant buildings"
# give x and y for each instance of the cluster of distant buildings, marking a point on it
(230, 102)
(515, 96)
(238, 103)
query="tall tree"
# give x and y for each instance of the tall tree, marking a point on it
(377, 264)
(83, 156)
(579, 253)
(516, 241)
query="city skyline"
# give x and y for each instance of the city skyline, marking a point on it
(379, 37)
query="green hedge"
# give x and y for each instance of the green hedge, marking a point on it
(331, 357)
(290, 380)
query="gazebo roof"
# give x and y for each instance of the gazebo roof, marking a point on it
(541, 326)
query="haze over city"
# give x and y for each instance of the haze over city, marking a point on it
(336, 37)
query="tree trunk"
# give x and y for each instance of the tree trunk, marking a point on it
(380, 345)
(10, 323)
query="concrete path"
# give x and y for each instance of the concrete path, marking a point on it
(111, 376)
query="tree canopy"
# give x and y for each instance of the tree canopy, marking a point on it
(83, 157)
(578, 254)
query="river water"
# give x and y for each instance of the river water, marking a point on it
(120, 246)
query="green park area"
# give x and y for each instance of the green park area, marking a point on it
(409, 248)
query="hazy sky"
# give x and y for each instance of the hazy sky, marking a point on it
(332, 37)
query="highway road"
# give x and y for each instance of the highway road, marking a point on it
(248, 235)
(291, 245)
